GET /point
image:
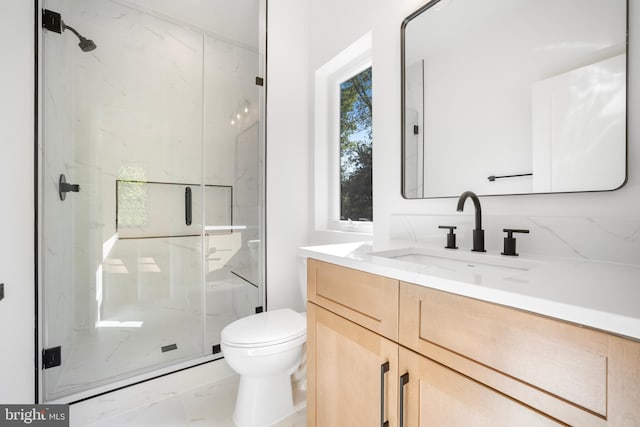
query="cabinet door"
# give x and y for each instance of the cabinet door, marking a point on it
(347, 381)
(436, 396)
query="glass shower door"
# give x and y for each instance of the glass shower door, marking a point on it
(158, 243)
(233, 150)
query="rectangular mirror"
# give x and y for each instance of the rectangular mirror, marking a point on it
(514, 97)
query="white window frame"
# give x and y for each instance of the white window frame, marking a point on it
(348, 63)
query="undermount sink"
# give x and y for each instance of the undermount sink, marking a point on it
(458, 260)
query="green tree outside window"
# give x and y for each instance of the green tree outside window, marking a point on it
(356, 201)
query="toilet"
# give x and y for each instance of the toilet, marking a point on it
(265, 349)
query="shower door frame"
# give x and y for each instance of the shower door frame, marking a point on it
(39, 317)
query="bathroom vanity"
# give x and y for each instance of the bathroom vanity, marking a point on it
(422, 341)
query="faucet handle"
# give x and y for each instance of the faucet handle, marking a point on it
(451, 237)
(510, 241)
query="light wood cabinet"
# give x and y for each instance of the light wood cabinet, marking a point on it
(366, 299)
(579, 376)
(351, 373)
(352, 365)
(510, 341)
(436, 396)
(468, 362)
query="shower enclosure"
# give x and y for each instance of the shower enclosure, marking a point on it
(151, 233)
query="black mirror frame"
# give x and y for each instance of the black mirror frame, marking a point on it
(403, 26)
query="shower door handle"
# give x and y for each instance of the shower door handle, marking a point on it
(64, 187)
(187, 206)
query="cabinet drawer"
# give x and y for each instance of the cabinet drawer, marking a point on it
(366, 299)
(440, 397)
(558, 358)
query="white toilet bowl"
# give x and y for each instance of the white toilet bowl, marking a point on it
(265, 349)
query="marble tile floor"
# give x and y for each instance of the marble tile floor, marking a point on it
(208, 405)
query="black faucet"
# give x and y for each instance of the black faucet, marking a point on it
(478, 232)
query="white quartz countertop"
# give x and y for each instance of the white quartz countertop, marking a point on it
(601, 295)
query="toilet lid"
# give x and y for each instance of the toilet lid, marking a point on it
(267, 328)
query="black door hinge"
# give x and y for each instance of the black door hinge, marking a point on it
(259, 81)
(51, 357)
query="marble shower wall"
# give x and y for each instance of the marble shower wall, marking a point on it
(152, 103)
(138, 115)
(611, 239)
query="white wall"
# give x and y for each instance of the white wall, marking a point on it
(292, 56)
(288, 145)
(17, 209)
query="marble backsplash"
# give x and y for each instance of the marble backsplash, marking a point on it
(610, 238)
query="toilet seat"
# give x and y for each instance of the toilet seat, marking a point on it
(265, 329)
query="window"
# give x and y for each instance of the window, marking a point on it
(132, 198)
(343, 141)
(356, 148)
